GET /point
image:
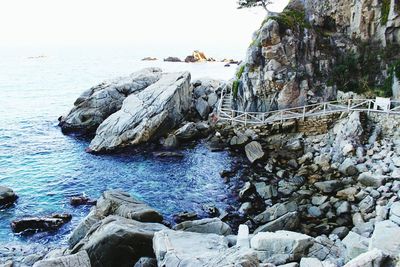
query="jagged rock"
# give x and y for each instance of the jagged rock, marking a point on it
(348, 167)
(276, 211)
(170, 142)
(367, 205)
(114, 202)
(328, 186)
(117, 241)
(209, 225)
(310, 262)
(254, 151)
(188, 132)
(371, 258)
(81, 200)
(35, 224)
(185, 216)
(80, 259)
(290, 222)
(203, 108)
(99, 102)
(146, 115)
(281, 247)
(386, 237)
(395, 212)
(7, 196)
(266, 191)
(146, 262)
(326, 249)
(355, 245)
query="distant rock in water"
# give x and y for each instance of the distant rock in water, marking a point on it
(99, 102)
(149, 59)
(198, 56)
(147, 115)
(7, 196)
(172, 59)
(35, 224)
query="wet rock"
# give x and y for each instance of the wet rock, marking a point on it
(211, 210)
(34, 224)
(187, 132)
(117, 241)
(281, 247)
(254, 151)
(185, 216)
(146, 262)
(145, 116)
(81, 200)
(80, 259)
(7, 196)
(386, 237)
(168, 154)
(209, 226)
(99, 102)
(170, 142)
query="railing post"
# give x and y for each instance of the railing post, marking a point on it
(245, 119)
(232, 115)
(263, 118)
(324, 109)
(281, 117)
(369, 107)
(348, 105)
(304, 113)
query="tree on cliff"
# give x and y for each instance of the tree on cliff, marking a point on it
(255, 3)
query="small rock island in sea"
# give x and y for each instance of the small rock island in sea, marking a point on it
(312, 110)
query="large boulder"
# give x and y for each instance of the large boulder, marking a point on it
(117, 241)
(371, 258)
(281, 247)
(177, 248)
(355, 245)
(209, 225)
(114, 202)
(7, 196)
(36, 224)
(147, 115)
(80, 259)
(99, 102)
(386, 237)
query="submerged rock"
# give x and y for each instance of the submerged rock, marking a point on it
(147, 115)
(34, 224)
(7, 196)
(99, 102)
(81, 200)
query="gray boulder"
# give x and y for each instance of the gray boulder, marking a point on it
(289, 221)
(209, 225)
(369, 179)
(386, 237)
(99, 102)
(372, 258)
(281, 247)
(254, 151)
(147, 115)
(395, 212)
(355, 245)
(80, 259)
(117, 241)
(7, 196)
(203, 108)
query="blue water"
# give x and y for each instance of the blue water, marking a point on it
(46, 168)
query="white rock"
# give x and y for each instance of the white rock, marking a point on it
(355, 245)
(80, 259)
(386, 237)
(371, 258)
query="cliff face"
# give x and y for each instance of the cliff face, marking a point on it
(314, 48)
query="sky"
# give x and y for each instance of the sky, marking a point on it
(212, 24)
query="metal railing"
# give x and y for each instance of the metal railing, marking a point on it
(314, 110)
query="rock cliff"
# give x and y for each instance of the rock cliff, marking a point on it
(313, 49)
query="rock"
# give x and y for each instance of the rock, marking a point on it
(266, 191)
(172, 59)
(209, 226)
(99, 102)
(348, 167)
(80, 259)
(254, 151)
(246, 190)
(367, 205)
(81, 200)
(290, 222)
(355, 245)
(369, 179)
(347, 193)
(117, 241)
(83, 227)
(371, 258)
(168, 154)
(314, 212)
(343, 208)
(245, 208)
(239, 139)
(276, 211)
(34, 224)
(202, 108)
(185, 216)
(328, 186)
(395, 212)
(281, 247)
(170, 142)
(341, 231)
(212, 99)
(7, 196)
(147, 115)
(386, 237)
(310, 262)
(149, 59)
(146, 262)
(318, 200)
(187, 132)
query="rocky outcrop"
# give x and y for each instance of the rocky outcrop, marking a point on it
(7, 196)
(172, 59)
(96, 104)
(35, 224)
(147, 115)
(80, 259)
(210, 226)
(302, 55)
(197, 56)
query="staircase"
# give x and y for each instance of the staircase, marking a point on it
(225, 110)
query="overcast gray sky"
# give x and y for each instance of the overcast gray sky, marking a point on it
(127, 21)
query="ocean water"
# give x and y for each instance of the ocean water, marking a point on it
(46, 168)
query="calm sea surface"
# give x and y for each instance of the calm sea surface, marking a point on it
(46, 168)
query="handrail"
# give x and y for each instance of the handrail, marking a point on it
(302, 112)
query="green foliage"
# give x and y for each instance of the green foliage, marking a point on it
(291, 19)
(385, 9)
(240, 72)
(235, 88)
